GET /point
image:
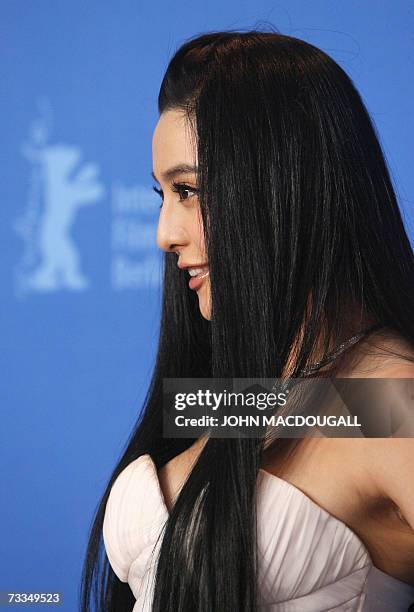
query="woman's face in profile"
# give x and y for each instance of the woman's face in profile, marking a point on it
(180, 226)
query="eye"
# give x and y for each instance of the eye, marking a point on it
(182, 188)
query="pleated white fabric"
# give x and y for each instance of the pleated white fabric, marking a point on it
(309, 561)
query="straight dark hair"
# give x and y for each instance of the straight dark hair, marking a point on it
(302, 227)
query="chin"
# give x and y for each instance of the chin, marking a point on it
(204, 301)
(205, 310)
(206, 314)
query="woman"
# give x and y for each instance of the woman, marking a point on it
(273, 183)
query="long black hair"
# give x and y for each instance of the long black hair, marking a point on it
(303, 235)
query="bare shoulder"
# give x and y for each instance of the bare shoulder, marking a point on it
(388, 463)
(389, 467)
(382, 469)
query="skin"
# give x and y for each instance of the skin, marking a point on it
(180, 227)
(374, 492)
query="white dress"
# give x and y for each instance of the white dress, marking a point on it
(309, 561)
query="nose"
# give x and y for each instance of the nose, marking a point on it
(171, 234)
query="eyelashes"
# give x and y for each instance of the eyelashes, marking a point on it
(160, 193)
(179, 188)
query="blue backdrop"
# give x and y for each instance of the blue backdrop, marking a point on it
(81, 269)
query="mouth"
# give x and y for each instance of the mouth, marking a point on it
(197, 276)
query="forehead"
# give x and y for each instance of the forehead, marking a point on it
(172, 141)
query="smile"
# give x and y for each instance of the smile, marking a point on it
(197, 277)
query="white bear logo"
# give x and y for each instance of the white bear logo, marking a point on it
(64, 193)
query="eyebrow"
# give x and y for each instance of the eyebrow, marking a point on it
(175, 170)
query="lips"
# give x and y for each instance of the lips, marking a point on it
(185, 266)
(197, 277)
(196, 271)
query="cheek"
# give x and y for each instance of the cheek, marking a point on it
(201, 243)
(199, 234)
